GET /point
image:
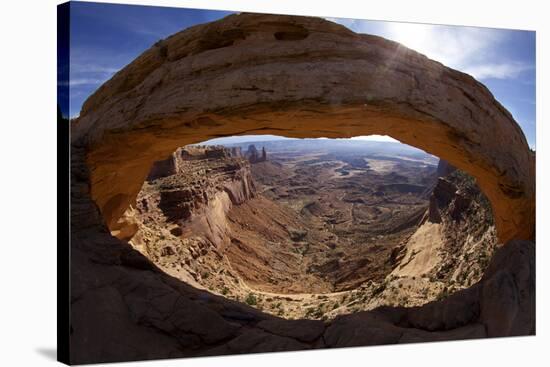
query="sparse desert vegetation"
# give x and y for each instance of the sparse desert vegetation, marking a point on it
(314, 231)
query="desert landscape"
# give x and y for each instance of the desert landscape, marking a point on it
(314, 228)
(183, 248)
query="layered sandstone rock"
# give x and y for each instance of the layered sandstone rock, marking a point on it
(236, 152)
(265, 253)
(254, 156)
(193, 190)
(455, 239)
(119, 295)
(299, 77)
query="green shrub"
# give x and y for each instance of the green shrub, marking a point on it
(251, 299)
(381, 288)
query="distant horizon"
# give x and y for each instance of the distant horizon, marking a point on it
(240, 139)
(371, 142)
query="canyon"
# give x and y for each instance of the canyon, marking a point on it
(297, 77)
(319, 229)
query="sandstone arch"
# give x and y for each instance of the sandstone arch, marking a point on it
(292, 76)
(299, 77)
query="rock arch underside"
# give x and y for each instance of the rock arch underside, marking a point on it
(296, 77)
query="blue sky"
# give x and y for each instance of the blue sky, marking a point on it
(106, 37)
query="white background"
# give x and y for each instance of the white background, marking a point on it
(28, 182)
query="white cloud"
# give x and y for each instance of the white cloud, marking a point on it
(91, 68)
(85, 81)
(81, 81)
(497, 71)
(468, 49)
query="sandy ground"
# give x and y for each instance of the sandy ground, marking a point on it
(422, 251)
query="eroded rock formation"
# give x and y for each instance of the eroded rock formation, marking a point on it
(118, 295)
(456, 238)
(307, 262)
(254, 156)
(299, 77)
(293, 76)
(181, 214)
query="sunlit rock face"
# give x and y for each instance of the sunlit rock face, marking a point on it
(196, 184)
(297, 77)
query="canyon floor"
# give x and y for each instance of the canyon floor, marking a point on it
(313, 228)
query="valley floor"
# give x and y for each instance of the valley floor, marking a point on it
(313, 235)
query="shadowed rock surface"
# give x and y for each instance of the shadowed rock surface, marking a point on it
(124, 308)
